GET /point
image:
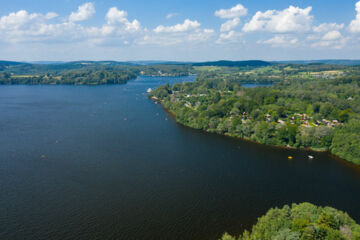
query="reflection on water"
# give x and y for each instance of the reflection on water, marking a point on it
(105, 162)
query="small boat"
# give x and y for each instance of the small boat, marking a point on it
(290, 157)
(311, 157)
(149, 90)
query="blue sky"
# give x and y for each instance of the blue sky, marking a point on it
(179, 30)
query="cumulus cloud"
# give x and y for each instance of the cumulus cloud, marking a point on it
(236, 11)
(280, 41)
(84, 12)
(172, 38)
(292, 19)
(325, 27)
(327, 35)
(332, 35)
(117, 30)
(229, 25)
(189, 31)
(289, 27)
(331, 39)
(336, 43)
(354, 26)
(23, 26)
(231, 36)
(119, 17)
(19, 20)
(233, 14)
(181, 27)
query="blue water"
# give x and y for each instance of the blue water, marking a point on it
(105, 162)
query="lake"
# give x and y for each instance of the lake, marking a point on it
(105, 162)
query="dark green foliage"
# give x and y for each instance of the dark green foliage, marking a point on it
(223, 63)
(172, 70)
(89, 77)
(303, 221)
(84, 72)
(310, 106)
(346, 141)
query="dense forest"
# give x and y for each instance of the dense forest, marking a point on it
(303, 221)
(313, 106)
(85, 72)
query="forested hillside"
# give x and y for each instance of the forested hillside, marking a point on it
(84, 72)
(308, 106)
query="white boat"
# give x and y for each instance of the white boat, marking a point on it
(311, 157)
(149, 90)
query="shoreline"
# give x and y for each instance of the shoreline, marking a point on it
(172, 114)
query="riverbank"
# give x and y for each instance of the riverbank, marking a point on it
(230, 135)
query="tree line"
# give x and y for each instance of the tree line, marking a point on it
(299, 110)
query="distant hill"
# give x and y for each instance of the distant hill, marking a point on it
(224, 63)
(10, 63)
(325, 61)
(107, 63)
(31, 68)
(6, 64)
(160, 62)
(46, 62)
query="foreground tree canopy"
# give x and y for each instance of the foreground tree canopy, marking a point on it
(313, 106)
(303, 221)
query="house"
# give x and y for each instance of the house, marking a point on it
(281, 121)
(268, 117)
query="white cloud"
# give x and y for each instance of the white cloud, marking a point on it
(332, 39)
(292, 27)
(117, 17)
(280, 41)
(187, 32)
(229, 25)
(327, 35)
(51, 15)
(354, 26)
(117, 30)
(332, 35)
(186, 26)
(23, 26)
(35, 27)
(337, 43)
(326, 27)
(231, 36)
(18, 20)
(172, 38)
(84, 12)
(292, 19)
(236, 11)
(171, 15)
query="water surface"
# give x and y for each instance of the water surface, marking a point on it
(105, 162)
